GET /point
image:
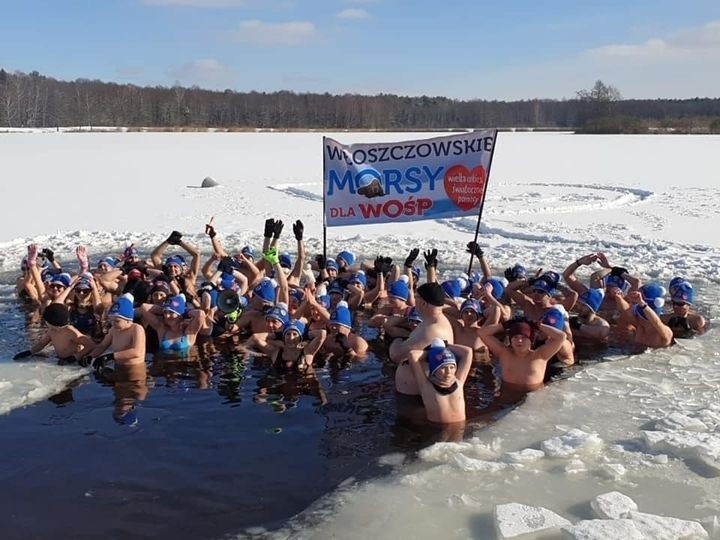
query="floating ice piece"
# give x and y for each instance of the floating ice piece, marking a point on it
(666, 528)
(612, 505)
(575, 466)
(515, 520)
(476, 465)
(570, 443)
(614, 470)
(680, 422)
(687, 444)
(526, 455)
(209, 181)
(602, 529)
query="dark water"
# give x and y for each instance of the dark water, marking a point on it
(220, 444)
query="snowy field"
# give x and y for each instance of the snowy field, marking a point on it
(648, 426)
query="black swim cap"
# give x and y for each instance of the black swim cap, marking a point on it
(56, 315)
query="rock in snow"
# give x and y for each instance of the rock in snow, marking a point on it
(612, 505)
(515, 520)
(209, 182)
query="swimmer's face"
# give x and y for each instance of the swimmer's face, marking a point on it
(583, 310)
(104, 268)
(273, 325)
(397, 303)
(331, 272)
(537, 296)
(121, 324)
(174, 270)
(158, 298)
(445, 375)
(681, 309)
(469, 316)
(291, 338)
(54, 290)
(520, 343)
(170, 316)
(336, 329)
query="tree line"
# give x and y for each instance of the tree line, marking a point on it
(34, 100)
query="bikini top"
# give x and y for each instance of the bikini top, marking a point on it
(180, 345)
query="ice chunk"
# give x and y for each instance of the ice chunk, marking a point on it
(515, 520)
(602, 529)
(612, 505)
(570, 443)
(666, 528)
(678, 421)
(527, 455)
(476, 465)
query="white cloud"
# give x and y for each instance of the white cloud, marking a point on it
(353, 14)
(206, 73)
(688, 44)
(264, 34)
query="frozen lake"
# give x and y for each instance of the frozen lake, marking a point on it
(648, 426)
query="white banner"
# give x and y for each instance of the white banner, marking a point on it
(443, 177)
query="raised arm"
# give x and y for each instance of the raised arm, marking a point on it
(555, 340)
(569, 273)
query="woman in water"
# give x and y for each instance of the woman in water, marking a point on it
(177, 329)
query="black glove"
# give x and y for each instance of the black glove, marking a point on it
(277, 229)
(430, 258)
(342, 340)
(410, 259)
(532, 280)
(269, 226)
(510, 274)
(320, 259)
(618, 271)
(575, 323)
(474, 249)
(225, 265)
(22, 354)
(378, 264)
(210, 231)
(48, 254)
(85, 361)
(175, 238)
(99, 363)
(298, 229)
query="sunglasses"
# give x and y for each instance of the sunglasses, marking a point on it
(82, 291)
(56, 286)
(679, 304)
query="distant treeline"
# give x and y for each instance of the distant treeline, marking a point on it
(33, 100)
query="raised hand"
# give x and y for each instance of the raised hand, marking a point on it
(81, 254)
(49, 254)
(32, 255)
(210, 230)
(588, 259)
(175, 238)
(602, 259)
(298, 230)
(431, 258)
(320, 259)
(269, 226)
(410, 259)
(277, 229)
(271, 256)
(474, 249)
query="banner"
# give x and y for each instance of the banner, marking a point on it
(437, 178)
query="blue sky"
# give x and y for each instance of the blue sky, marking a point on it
(462, 49)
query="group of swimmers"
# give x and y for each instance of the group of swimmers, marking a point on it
(301, 312)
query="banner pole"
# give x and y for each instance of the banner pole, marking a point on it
(482, 204)
(324, 209)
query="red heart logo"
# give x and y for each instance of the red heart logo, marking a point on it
(465, 188)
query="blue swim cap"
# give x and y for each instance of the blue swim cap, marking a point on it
(265, 291)
(498, 289)
(654, 296)
(359, 278)
(452, 288)
(592, 298)
(296, 325)
(341, 315)
(278, 313)
(439, 356)
(413, 315)
(285, 260)
(399, 289)
(471, 305)
(684, 293)
(555, 318)
(331, 265)
(347, 257)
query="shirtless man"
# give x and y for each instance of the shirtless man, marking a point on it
(465, 330)
(125, 338)
(341, 340)
(683, 322)
(429, 302)
(69, 343)
(523, 368)
(640, 309)
(588, 326)
(540, 297)
(441, 386)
